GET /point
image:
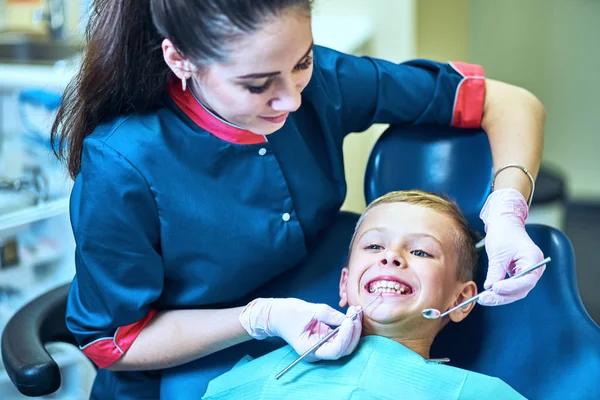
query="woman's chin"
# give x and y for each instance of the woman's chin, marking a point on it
(265, 130)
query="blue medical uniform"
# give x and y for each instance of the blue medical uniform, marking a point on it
(176, 209)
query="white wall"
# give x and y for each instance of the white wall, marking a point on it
(550, 47)
(442, 30)
(394, 39)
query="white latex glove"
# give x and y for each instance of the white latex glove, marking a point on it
(509, 248)
(301, 325)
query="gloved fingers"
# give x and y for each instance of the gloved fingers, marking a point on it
(356, 333)
(523, 259)
(510, 290)
(335, 347)
(308, 338)
(316, 328)
(526, 258)
(353, 310)
(495, 273)
(519, 286)
(356, 330)
(328, 315)
(492, 298)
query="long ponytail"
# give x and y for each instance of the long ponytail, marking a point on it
(122, 72)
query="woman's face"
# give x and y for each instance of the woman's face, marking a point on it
(263, 77)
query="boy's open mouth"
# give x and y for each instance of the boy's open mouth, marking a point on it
(388, 285)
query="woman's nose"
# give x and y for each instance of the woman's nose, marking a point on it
(391, 259)
(288, 98)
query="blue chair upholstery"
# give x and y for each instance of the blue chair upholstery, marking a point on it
(546, 346)
(456, 163)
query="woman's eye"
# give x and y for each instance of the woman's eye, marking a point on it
(420, 253)
(373, 247)
(304, 64)
(258, 89)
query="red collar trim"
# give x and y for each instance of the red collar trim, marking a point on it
(205, 120)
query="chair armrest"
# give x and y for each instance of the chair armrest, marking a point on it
(28, 364)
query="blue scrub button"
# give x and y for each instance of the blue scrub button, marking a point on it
(262, 151)
(286, 217)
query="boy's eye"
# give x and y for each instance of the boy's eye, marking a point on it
(373, 247)
(419, 253)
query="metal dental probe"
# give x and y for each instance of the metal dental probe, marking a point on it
(432, 313)
(322, 341)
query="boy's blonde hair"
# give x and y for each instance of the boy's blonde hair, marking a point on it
(466, 238)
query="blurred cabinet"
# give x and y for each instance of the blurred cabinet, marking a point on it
(36, 241)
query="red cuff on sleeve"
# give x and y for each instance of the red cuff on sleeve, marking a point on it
(106, 351)
(470, 96)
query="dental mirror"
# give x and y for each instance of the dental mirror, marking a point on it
(432, 313)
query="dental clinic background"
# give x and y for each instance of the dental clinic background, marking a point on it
(549, 47)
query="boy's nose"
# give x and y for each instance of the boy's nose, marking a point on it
(391, 260)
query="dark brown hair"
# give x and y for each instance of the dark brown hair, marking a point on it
(123, 70)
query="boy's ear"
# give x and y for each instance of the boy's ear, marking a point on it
(343, 286)
(464, 292)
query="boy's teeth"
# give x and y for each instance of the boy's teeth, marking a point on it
(389, 287)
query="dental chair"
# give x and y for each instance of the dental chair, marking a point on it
(545, 346)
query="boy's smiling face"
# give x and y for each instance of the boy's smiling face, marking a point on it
(409, 254)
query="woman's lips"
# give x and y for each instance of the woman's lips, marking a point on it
(278, 119)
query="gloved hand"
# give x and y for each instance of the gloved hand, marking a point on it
(509, 248)
(303, 324)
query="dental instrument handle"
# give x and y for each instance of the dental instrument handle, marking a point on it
(520, 274)
(528, 270)
(321, 342)
(307, 352)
